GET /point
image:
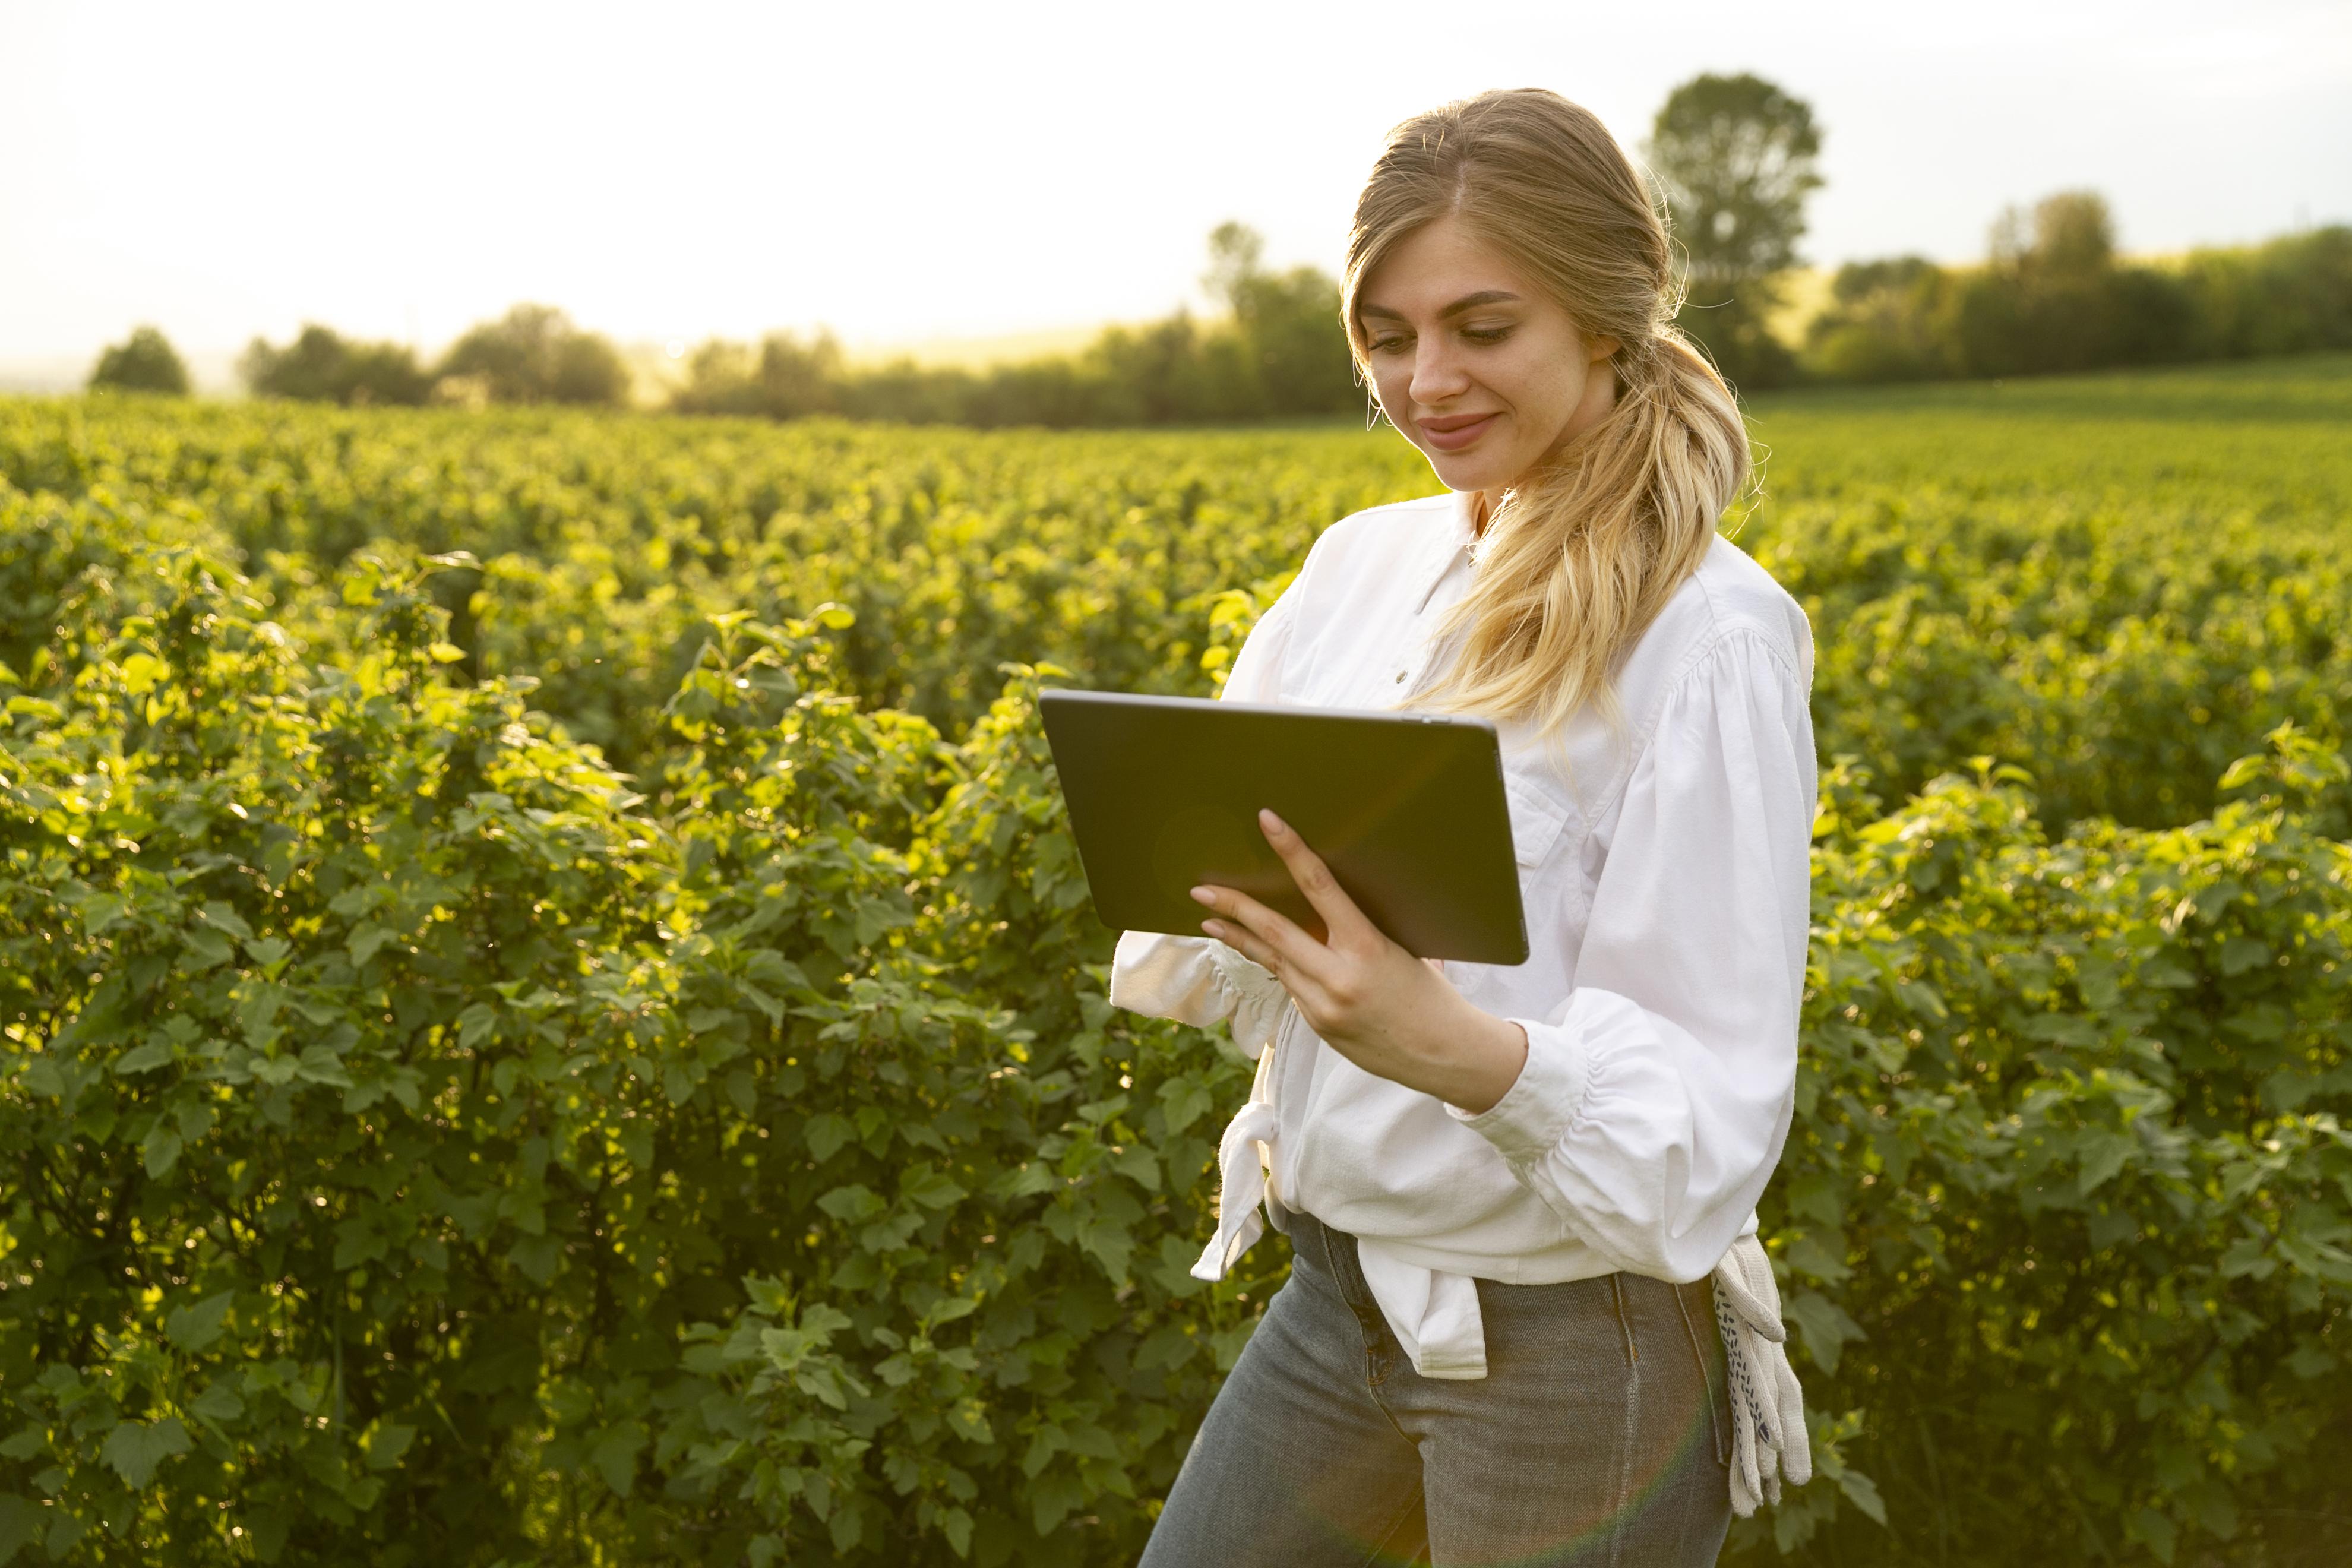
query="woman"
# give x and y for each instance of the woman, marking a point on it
(1506, 1189)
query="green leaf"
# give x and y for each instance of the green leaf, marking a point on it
(195, 1326)
(209, 948)
(614, 1456)
(1183, 1101)
(135, 1448)
(161, 1151)
(826, 1134)
(2162, 1536)
(2240, 953)
(219, 1404)
(20, 1524)
(366, 943)
(956, 1525)
(2104, 1154)
(538, 1257)
(387, 1443)
(222, 918)
(1824, 1327)
(143, 1058)
(932, 1189)
(141, 671)
(852, 1204)
(1863, 1492)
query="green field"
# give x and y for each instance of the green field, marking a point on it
(592, 1048)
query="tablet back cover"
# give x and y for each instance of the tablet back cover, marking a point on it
(1408, 810)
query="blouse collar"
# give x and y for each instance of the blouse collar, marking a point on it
(1453, 541)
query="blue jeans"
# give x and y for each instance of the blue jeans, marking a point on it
(1600, 1436)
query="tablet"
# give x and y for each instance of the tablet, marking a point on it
(1407, 809)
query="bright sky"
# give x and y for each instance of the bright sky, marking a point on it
(906, 172)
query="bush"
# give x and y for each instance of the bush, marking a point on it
(2287, 297)
(144, 362)
(1283, 354)
(425, 1144)
(1880, 322)
(322, 366)
(2052, 298)
(418, 1153)
(786, 379)
(534, 355)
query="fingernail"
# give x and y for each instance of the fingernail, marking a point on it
(1212, 929)
(1272, 822)
(1204, 896)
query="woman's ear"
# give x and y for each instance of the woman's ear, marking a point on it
(1598, 349)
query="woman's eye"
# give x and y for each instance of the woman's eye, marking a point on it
(1486, 335)
(1387, 345)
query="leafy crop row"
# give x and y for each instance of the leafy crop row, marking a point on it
(430, 1137)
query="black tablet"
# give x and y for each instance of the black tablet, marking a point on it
(1408, 810)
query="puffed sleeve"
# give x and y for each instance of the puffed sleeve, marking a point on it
(1192, 979)
(1656, 1099)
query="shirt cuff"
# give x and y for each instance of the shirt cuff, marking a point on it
(1534, 1113)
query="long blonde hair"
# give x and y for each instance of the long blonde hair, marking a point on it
(1581, 554)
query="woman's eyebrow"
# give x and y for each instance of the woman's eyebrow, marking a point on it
(1467, 303)
(1471, 301)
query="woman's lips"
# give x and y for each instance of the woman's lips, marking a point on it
(1454, 435)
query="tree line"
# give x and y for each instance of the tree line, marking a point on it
(1734, 159)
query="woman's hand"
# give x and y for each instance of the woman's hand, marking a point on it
(1374, 1002)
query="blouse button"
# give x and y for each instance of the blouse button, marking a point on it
(1400, 675)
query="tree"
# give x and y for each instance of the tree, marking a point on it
(2052, 297)
(534, 355)
(784, 379)
(321, 366)
(144, 362)
(1236, 253)
(1881, 324)
(1293, 343)
(1737, 157)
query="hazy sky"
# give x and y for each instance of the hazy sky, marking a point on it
(903, 171)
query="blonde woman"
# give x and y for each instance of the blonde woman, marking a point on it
(1527, 1319)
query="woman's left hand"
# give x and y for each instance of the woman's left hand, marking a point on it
(1388, 1012)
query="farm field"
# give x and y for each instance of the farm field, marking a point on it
(551, 1016)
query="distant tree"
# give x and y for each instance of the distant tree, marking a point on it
(2290, 295)
(144, 362)
(2069, 238)
(1880, 322)
(534, 355)
(783, 378)
(1282, 352)
(1737, 157)
(2052, 297)
(321, 365)
(1237, 256)
(1293, 344)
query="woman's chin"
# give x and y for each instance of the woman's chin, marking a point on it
(1471, 470)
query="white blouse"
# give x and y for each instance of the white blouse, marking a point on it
(1664, 864)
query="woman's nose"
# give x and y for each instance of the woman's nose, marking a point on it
(1437, 376)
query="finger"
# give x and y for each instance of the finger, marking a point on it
(1341, 916)
(1293, 948)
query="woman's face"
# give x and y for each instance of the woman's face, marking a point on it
(1477, 367)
